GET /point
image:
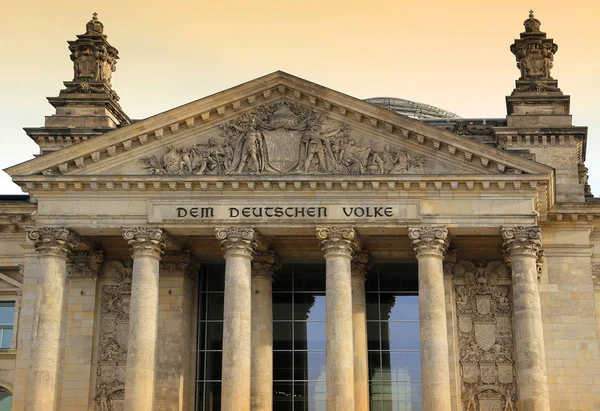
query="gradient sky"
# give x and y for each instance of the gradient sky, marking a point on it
(450, 54)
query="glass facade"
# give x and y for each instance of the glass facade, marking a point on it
(299, 338)
(7, 318)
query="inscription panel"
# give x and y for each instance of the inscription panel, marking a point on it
(277, 211)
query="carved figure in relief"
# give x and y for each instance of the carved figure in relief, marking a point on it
(317, 144)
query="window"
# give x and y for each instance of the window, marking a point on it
(7, 317)
(5, 400)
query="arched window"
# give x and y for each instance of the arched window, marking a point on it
(5, 400)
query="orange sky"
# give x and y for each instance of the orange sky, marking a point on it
(454, 55)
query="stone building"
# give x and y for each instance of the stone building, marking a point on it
(280, 245)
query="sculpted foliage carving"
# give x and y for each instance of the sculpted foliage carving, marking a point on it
(284, 138)
(484, 311)
(114, 328)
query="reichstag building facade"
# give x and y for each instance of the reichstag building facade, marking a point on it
(283, 246)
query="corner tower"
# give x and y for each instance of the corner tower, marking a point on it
(88, 106)
(538, 116)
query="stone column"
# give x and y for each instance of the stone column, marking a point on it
(238, 244)
(263, 268)
(522, 246)
(147, 245)
(430, 245)
(360, 270)
(53, 245)
(337, 244)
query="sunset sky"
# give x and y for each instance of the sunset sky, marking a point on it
(450, 54)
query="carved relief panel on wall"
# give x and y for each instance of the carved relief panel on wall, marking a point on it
(114, 326)
(486, 352)
(285, 137)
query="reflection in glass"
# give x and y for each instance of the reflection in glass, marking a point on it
(282, 335)
(215, 306)
(282, 306)
(309, 365)
(309, 306)
(282, 365)
(310, 396)
(309, 336)
(214, 336)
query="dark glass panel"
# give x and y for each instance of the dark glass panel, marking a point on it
(398, 277)
(199, 395)
(214, 365)
(200, 365)
(201, 335)
(373, 340)
(284, 278)
(282, 335)
(282, 306)
(309, 277)
(309, 335)
(309, 306)
(212, 396)
(372, 283)
(215, 306)
(372, 302)
(374, 365)
(309, 365)
(403, 336)
(214, 334)
(216, 278)
(404, 366)
(282, 396)
(282, 365)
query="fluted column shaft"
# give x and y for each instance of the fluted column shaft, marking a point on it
(238, 244)
(430, 245)
(147, 245)
(522, 246)
(360, 269)
(337, 244)
(53, 245)
(263, 268)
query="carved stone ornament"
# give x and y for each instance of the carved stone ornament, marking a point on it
(284, 137)
(361, 265)
(338, 241)
(56, 241)
(535, 57)
(143, 240)
(485, 336)
(178, 263)
(582, 172)
(429, 240)
(265, 264)
(85, 264)
(240, 241)
(596, 275)
(521, 240)
(114, 333)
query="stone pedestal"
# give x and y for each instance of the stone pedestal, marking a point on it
(147, 245)
(360, 269)
(263, 268)
(238, 244)
(53, 245)
(337, 244)
(522, 246)
(430, 244)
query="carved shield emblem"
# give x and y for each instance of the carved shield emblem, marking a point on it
(470, 373)
(488, 373)
(505, 374)
(484, 304)
(491, 404)
(283, 148)
(465, 324)
(504, 324)
(485, 335)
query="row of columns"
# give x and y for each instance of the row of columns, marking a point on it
(247, 320)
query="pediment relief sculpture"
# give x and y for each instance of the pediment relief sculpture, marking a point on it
(285, 138)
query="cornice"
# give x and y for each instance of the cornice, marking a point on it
(216, 108)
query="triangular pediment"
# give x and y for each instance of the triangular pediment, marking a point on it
(278, 124)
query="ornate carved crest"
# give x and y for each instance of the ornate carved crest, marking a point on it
(114, 329)
(485, 335)
(284, 138)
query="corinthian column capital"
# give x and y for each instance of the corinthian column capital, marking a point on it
(429, 240)
(264, 265)
(240, 241)
(520, 240)
(148, 241)
(53, 241)
(337, 241)
(361, 265)
(85, 264)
